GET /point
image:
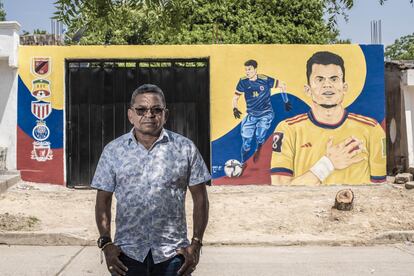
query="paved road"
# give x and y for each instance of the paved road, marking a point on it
(262, 261)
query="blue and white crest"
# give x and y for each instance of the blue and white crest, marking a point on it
(41, 132)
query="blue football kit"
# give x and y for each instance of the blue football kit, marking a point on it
(259, 110)
(257, 94)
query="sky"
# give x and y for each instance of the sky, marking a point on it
(397, 18)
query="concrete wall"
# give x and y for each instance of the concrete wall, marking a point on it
(408, 89)
(41, 158)
(9, 43)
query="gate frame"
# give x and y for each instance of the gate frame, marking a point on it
(137, 61)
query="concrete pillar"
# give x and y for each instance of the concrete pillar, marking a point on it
(9, 44)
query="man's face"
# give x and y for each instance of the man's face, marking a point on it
(326, 86)
(148, 114)
(250, 71)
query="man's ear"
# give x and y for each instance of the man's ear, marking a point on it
(167, 114)
(307, 90)
(130, 116)
(345, 87)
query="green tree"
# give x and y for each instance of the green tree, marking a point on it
(2, 12)
(103, 21)
(39, 31)
(201, 21)
(240, 22)
(402, 49)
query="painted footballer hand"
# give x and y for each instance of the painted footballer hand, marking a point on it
(236, 113)
(345, 153)
(288, 105)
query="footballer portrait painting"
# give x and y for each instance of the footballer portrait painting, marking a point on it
(303, 115)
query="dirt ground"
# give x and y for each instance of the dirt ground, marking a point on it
(238, 214)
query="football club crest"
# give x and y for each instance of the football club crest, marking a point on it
(261, 87)
(41, 151)
(41, 88)
(41, 110)
(40, 132)
(41, 66)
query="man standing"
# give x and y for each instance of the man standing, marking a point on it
(328, 144)
(149, 170)
(256, 89)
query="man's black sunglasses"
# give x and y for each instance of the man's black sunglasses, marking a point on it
(141, 111)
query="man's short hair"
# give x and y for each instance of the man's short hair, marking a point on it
(147, 88)
(251, 62)
(324, 58)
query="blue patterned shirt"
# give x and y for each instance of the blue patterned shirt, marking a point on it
(150, 188)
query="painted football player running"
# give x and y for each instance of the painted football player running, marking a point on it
(256, 90)
(328, 144)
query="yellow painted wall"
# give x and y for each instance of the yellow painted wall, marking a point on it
(286, 62)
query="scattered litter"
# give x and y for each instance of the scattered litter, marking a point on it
(320, 212)
(24, 186)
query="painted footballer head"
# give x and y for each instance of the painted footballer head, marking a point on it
(326, 85)
(250, 67)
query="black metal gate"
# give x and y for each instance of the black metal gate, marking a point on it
(98, 93)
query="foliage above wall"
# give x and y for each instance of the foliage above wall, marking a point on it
(402, 49)
(2, 12)
(201, 21)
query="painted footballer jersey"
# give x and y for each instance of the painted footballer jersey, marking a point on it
(299, 142)
(257, 94)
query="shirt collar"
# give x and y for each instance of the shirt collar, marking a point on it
(164, 137)
(324, 125)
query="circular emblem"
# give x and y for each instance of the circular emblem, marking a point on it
(41, 132)
(261, 87)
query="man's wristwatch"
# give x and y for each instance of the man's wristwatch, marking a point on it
(197, 240)
(103, 240)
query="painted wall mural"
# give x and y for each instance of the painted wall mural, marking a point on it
(280, 114)
(320, 122)
(40, 126)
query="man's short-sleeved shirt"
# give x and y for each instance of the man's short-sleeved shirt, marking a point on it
(257, 94)
(299, 142)
(150, 188)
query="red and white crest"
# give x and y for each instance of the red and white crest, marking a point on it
(41, 110)
(41, 151)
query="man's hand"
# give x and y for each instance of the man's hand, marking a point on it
(288, 106)
(191, 255)
(115, 266)
(236, 113)
(345, 153)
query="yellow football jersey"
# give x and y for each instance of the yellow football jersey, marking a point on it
(299, 142)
